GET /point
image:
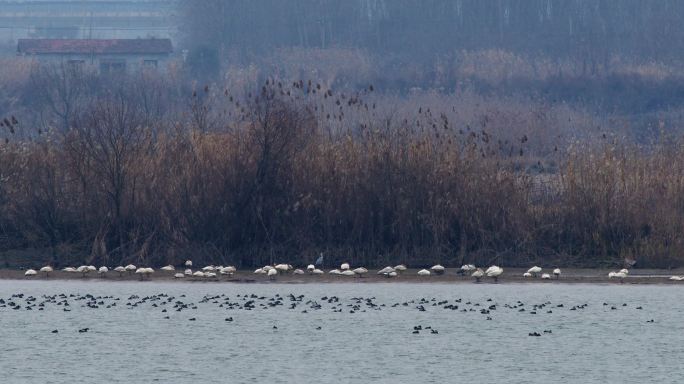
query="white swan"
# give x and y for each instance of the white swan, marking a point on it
(178, 276)
(298, 272)
(272, 273)
(310, 268)
(120, 269)
(386, 270)
(188, 263)
(259, 271)
(527, 274)
(102, 271)
(534, 270)
(347, 272)
(399, 268)
(494, 272)
(438, 269)
(198, 274)
(168, 268)
(625, 271)
(130, 268)
(46, 269)
(478, 274)
(618, 275)
(83, 269)
(557, 272)
(360, 271)
(69, 269)
(423, 272)
(227, 270)
(209, 268)
(318, 272)
(334, 272)
(282, 268)
(344, 266)
(30, 272)
(545, 276)
(467, 267)
(188, 272)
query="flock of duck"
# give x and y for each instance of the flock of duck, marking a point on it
(345, 269)
(171, 306)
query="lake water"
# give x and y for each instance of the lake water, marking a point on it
(375, 344)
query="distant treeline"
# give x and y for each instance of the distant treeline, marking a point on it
(591, 30)
(153, 169)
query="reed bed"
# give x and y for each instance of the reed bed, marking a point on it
(288, 170)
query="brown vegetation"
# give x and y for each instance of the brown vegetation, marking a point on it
(146, 169)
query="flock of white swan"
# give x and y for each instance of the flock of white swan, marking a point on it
(345, 269)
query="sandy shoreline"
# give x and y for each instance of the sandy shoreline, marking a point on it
(511, 275)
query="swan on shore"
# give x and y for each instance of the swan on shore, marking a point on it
(131, 268)
(318, 272)
(178, 276)
(478, 274)
(69, 269)
(334, 272)
(438, 269)
(618, 275)
(347, 272)
(386, 270)
(83, 269)
(557, 272)
(259, 271)
(120, 269)
(344, 266)
(399, 268)
(272, 273)
(423, 272)
(188, 272)
(310, 268)
(168, 268)
(468, 267)
(102, 271)
(188, 263)
(494, 272)
(298, 272)
(545, 276)
(360, 271)
(534, 270)
(229, 270)
(46, 269)
(527, 274)
(30, 272)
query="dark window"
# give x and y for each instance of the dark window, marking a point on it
(76, 64)
(112, 66)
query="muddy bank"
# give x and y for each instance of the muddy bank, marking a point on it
(511, 275)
